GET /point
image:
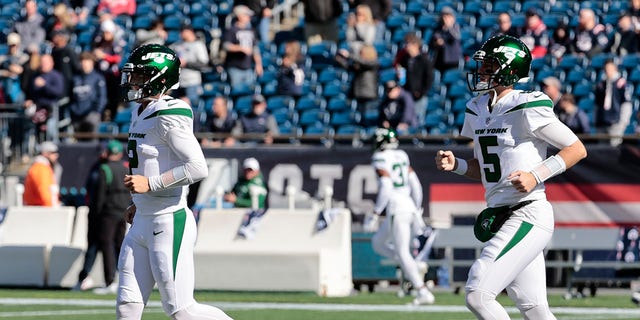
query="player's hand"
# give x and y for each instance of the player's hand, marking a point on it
(523, 181)
(445, 160)
(136, 183)
(129, 213)
(370, 223)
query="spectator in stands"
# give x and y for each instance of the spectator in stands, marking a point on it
(590, 37)
(110, 201)
(361, 29)
(30, 26)
(418, 70)
(446, 43)
(155, 34)
(380, 10)
(12, 69)
(321, 20)
(613, 103)
(43, 178)
(552, 87)
(634, 12)
(573, 117)
(93, 223)
(258, 121)
(108, 48)
(560, 42)
(65, 58)
(534, 33)
(397, 110)
(46, 88)
(364, 67)
(625, 39)
(89, 96)
(242, 50)
(193, 56)
(250, 191)
(290, 76)
(117, 7)
(504, 26)
(401, 202)
(221, 121)
(64, 19)
(262, 17)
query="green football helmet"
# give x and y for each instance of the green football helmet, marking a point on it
(385, 138)
(151, 70)
(501, 61)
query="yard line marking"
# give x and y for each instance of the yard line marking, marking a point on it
(308, 306)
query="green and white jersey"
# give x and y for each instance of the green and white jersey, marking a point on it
(160, 139)
(505, 141)
(396, 163)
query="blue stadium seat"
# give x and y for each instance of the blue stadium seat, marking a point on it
(459, 105)
(398, 20)
(348, 129)
(108, 128)
(319, 130)
(269, 74)
(270, 89)
(629, 61)
(453, 75)
(312, 116)
(332, 73)
(598, 60)
(243, 104)
(210, 89)
(388, 74)
(123, 116)
(459, 89)
(339, 103)
(486, 22)
(173, 22)
(509, 6)
(427, 20)
(322, 54)
(281, 115)
(242, 89)
(280, 102)
(433, 118)
(570, 61)
(203, 23)
(142, 22)
(310, 102)
(582, 89)
(333, 88)
(344, 117)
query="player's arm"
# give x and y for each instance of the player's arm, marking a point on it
(572, 150)
(416, 188)
(385, 185)
(186, 147)
(446, 161)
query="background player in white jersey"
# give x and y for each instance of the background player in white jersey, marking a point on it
(511, 130)
(164, 158)
(400, 196)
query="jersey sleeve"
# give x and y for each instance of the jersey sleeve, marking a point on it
(378, 161)
(539, 112)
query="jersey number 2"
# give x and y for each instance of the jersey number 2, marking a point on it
(490, 158)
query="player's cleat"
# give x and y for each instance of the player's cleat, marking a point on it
(110, 289)
(635, 298)
(83, 285)
(424, 297)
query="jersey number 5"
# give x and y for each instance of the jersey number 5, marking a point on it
(491, 175)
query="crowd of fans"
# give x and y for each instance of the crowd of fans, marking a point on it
(369, 63)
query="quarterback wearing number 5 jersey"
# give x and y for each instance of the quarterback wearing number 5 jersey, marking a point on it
(164, 158)
(511, 130)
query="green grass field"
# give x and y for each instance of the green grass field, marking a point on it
(59, 305)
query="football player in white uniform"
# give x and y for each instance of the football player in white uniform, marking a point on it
(400, 196)
(511, 130)
(164, 158)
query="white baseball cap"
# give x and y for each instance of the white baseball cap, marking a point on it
(251, 163)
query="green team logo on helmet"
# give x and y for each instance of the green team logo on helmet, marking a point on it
(151, 70)
(385, 138)
(508, 59)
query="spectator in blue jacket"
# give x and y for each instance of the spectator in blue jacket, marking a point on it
(89, 96)
(45, 89)
(573, 117)
(258, 121)
(613, 103)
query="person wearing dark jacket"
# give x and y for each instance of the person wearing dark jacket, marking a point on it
(365, 66)
(419, 73)
(65, 58)
(89, 96)
(320, 19)
(446, 42)
(258, 121)
(397, 110)
(45, 89)
(613, 103)
(262, 15)
(110, 202)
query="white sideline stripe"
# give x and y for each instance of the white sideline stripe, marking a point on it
(289, 306)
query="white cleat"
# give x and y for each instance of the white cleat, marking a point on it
(110, 289)
(84, 285)
(424, 297)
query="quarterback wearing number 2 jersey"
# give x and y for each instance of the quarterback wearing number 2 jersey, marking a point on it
(511, 130)
(164, 158)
